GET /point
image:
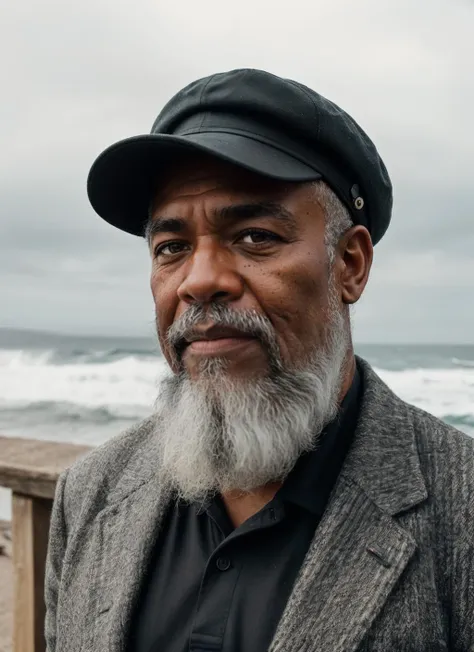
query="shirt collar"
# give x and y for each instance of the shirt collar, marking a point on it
(312, 479)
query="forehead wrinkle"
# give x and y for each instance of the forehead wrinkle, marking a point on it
(187, 187)
(229, 213)
(164, 225)
(187, 182)
(254, 210)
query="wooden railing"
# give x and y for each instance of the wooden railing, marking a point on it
(31, 468)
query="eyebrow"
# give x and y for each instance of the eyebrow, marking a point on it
(230, 213)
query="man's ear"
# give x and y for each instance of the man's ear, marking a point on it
(355, 251)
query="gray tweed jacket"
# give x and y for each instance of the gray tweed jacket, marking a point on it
(391, 565)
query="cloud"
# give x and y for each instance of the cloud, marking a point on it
(76, 78)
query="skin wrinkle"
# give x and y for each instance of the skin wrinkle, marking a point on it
(239, 421)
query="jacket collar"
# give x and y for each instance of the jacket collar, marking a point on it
(384, 459)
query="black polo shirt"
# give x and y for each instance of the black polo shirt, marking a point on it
(213, 587)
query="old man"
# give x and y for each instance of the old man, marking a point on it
(280, 497)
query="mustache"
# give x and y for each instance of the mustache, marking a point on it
(249, 322)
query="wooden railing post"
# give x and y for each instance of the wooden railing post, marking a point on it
(31, 468)
(30, 527)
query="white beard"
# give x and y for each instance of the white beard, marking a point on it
(219, 434)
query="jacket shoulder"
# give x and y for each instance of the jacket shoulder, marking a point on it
(436, 437)
(93, 478)
(447, 462)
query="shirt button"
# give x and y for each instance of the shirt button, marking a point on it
(223, 563)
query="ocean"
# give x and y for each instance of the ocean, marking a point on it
(87, 389)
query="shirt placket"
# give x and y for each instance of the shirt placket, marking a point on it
(220, 580)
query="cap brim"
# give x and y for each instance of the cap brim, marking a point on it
(123, 177)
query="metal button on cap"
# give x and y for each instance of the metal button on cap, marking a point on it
(223, 563)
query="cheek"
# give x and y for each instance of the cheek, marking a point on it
(300, 289)
(165, 306)
(155, 288)
(294, 296)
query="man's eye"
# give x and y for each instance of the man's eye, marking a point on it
(169, 248)
(258, 236)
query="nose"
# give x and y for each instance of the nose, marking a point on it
(210, 276)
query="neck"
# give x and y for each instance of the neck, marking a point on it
(240, 507)
(348, 372)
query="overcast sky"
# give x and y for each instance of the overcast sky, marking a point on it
(76, 77)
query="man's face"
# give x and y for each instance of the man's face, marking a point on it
(221, 235)
(252, 318)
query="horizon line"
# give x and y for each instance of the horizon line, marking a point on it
(71, 335)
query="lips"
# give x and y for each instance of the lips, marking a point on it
(216, 333)
(215, 340)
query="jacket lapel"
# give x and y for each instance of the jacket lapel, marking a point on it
(354, 561)
(124, 535)
(359, 550)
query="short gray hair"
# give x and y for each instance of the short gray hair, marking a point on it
(338, 219)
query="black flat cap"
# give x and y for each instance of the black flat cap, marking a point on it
(273, 126)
